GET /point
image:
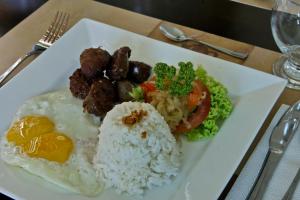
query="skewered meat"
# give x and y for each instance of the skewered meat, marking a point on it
(123, 88)
(94, 61)
(101, 97)
(120, 64)
(79, 85)
(103, 80)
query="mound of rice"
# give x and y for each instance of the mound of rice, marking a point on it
(135, 157)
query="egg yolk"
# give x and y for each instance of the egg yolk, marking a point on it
(37, 137)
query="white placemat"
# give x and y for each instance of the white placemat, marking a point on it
(283, 175)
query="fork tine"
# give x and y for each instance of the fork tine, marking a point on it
(61, 28)
(55, 28)
(50, 28)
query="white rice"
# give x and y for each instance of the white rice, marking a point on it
(127, 161)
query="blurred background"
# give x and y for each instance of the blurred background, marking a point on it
(221, 17)
(14, 11)
(226, 18)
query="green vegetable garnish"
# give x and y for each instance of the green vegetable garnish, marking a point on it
(182, 85)
(221, 107)
(164, 75)
(179, 84)
(137, 94)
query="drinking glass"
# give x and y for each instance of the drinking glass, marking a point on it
(285, 24)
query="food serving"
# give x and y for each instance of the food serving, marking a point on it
(117, 124)
(103, 80)
(52, 138)
(192, 102)
(136, 149)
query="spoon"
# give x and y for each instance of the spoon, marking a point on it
(178, 36)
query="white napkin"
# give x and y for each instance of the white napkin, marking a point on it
(283, 175)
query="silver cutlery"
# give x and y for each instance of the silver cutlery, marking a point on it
(280, 138)
(290, 192)
(54, 32)
(178, 36)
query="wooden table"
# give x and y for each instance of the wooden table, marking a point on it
(21, 38)
(265, 4)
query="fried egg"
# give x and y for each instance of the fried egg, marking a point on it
(53, 138)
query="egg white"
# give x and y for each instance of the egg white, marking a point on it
(77, 174)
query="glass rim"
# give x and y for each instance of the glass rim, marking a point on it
(277, 3)
(295, 2)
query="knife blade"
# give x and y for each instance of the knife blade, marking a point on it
(290, 192)
(280, 138)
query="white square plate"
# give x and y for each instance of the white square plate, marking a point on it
(207, 165)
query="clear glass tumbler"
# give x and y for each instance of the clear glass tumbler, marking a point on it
(285, 24)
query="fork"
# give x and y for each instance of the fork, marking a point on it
(54, 32)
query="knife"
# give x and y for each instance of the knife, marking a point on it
(290, 192)
(280, 138)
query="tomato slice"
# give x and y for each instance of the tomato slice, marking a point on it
(200, 114)
(195, 95)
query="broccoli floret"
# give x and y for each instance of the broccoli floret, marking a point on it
(182, 85)
(164, 75)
